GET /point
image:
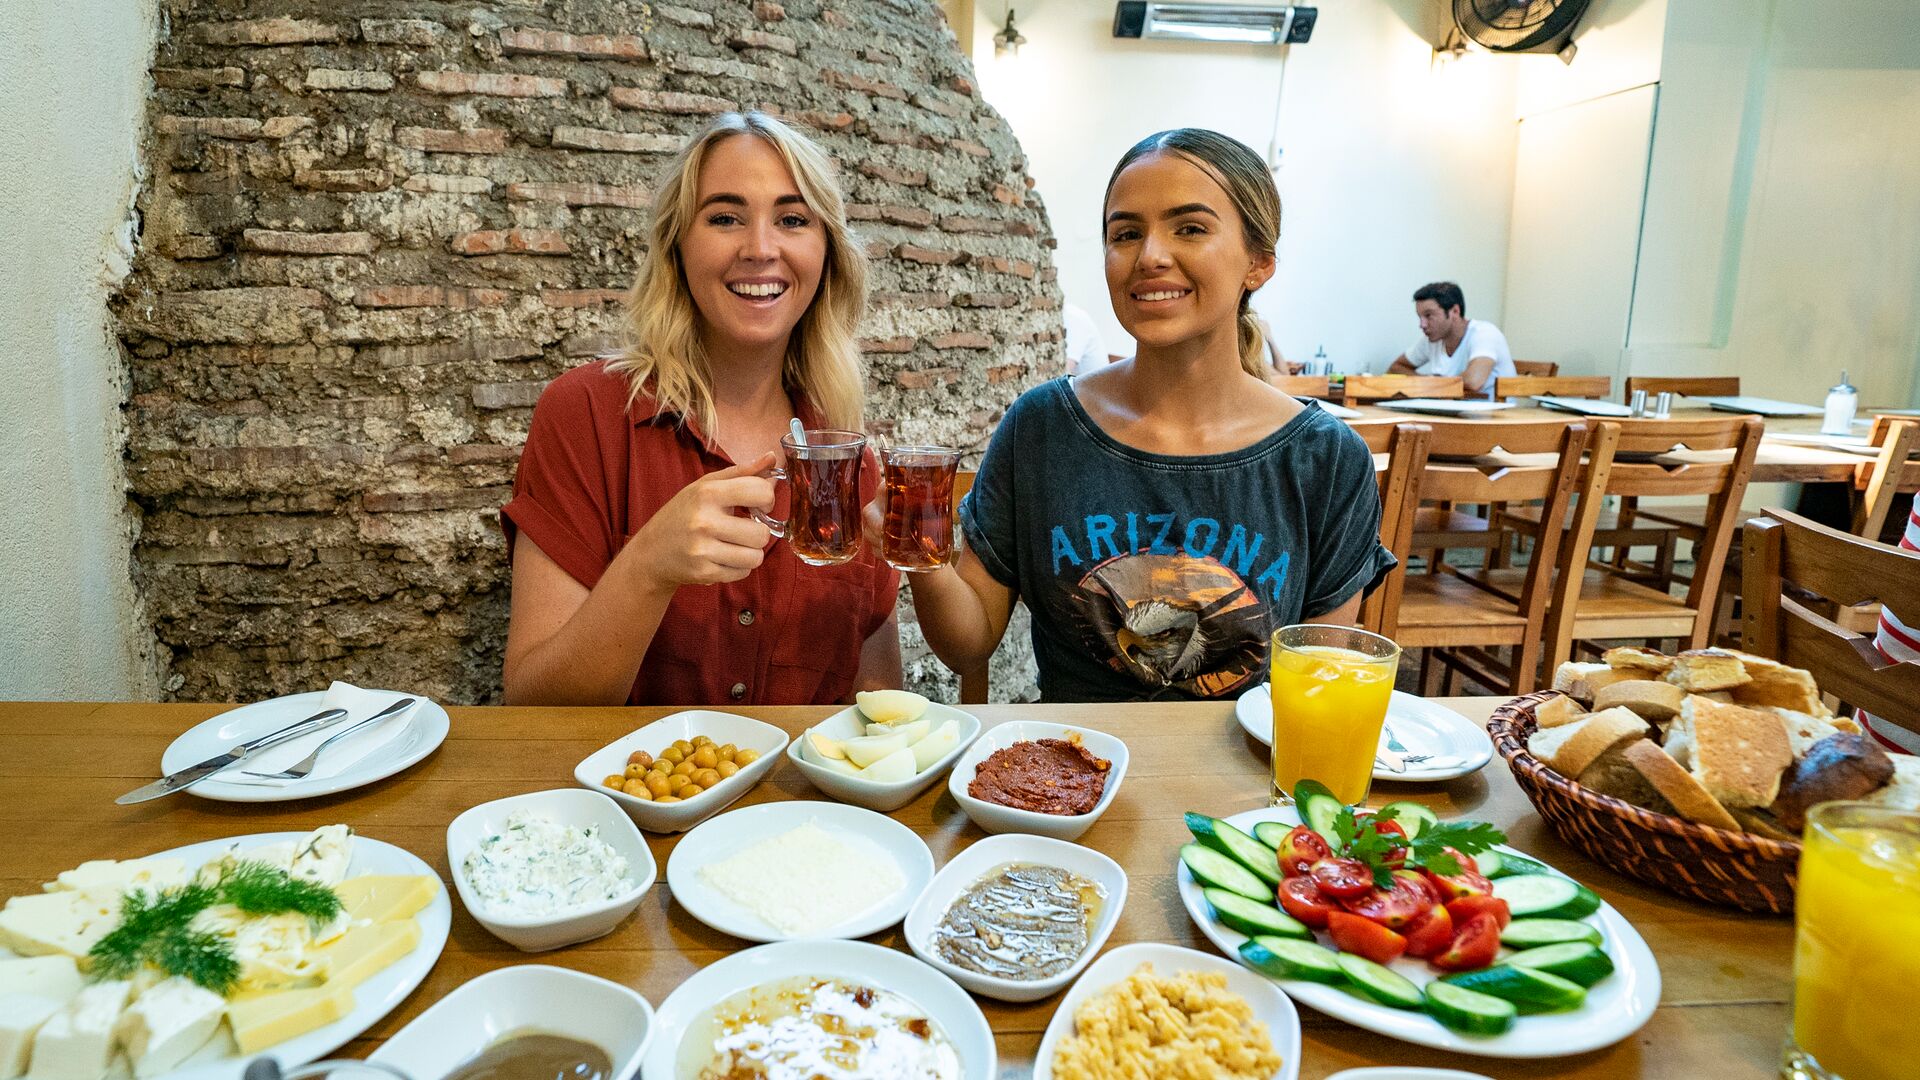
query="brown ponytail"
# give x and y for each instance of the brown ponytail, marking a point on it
(1253, 343)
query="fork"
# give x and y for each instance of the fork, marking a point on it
(299, 769)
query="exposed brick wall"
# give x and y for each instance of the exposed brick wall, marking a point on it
(373, 231)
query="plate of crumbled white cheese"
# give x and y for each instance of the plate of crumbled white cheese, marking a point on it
(783, 871)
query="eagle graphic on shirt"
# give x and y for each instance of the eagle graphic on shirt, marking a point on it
(1175, 621)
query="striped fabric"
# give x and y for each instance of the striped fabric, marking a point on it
(1898, 641)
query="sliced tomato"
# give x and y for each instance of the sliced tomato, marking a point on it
(1364, 937)
(1466, 861)
(1466, 907)
(1474, 946)
(1430, 934)
(1397, 856)
(1452, 887)
(1342, 877)
(1394, 908)
(1300, 849)
(1417, 880)
(1302, 899)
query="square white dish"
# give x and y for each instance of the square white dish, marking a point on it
(530, 997)
(859, 791)
(566, 806)
(983, 858)
(1270, 1006)
(744, 732)
(875, 835)
(995, 818)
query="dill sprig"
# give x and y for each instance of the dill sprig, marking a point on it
(156, 929)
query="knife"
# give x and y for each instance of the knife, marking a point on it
(193, 774)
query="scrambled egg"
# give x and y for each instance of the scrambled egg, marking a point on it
(1188, 1027)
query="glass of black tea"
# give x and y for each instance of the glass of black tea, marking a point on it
(917, 499)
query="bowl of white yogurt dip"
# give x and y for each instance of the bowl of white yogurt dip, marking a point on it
(550, 868)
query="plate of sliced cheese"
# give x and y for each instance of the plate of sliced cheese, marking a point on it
(183, 983)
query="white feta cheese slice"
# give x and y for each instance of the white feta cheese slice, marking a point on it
(57, 923)
(165, 1025)
(106, 875)
(323, 856)
(21, 1015)
(77, 1043)
(56, 977)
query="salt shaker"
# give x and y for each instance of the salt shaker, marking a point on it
(1842, 401)
(1637, 406)
(1663, 405)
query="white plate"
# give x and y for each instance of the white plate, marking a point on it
(945, 1003)
(373, 999)
(550, 1000)
(1761, 406)
(1583, 406)
(565, 806)
(426, 730)
(743, 732)
(983, 858)
(1615, 1008)
(1445, 406)
(1270, 1006)
(873, 835)
(1423, 727)
(995, 818)
(871, 794)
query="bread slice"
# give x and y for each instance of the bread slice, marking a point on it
(1903, 791)
(1584, 680)
(1761, 823)
(1638, 658)
(1570, 748)
(1677, 786)
(1837, 768)
(1612, 774)
(1774, 683)
(1803, 730)
(1699, 671)
(1557, 711)
(1657, 701)
(1735, 752)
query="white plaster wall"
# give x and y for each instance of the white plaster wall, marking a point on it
(73, 80)
(1396, 170)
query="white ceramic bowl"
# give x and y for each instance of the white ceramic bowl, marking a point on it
(995, 818)
(945, 1003)
(743, 732)
(567, 806)
(550, 1000)
(851, 722)
(983, 858)
(1270, 1006)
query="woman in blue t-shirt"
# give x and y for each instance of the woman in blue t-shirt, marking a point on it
(1163, 515)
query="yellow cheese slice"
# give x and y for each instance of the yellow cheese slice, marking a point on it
(386, 897)
(364, 950)
(268, 1018)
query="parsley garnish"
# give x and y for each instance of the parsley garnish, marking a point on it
(156, 928)
(1372, 847)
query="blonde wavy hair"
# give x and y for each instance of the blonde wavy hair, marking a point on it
(1248, 183)
(664, 355)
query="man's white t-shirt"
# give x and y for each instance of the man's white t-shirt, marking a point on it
(1481, 339)
(1085, 351)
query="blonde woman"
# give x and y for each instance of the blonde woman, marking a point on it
(638, 576)
(1162, 515)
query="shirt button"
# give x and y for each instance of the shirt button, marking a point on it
(739, 691)
(746, 618)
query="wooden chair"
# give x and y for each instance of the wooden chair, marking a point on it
(1704, 386)
(1303, 386)
(1406, 448)
(1606, 604)
(1544, 368)
(1457, 620)
(973, 680)
(1580, 386)
(1786, 557)
(1360, 388)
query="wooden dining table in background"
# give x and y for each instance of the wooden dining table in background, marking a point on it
(1726, 976)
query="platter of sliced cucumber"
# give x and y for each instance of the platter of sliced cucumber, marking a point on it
(1571, 975)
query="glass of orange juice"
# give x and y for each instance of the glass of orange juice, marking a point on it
(1331, 685)
(1857, 945)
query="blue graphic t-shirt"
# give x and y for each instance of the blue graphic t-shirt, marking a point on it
(1151, 576)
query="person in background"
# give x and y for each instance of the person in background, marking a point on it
(1452, 344)
(636, 576)
(1086, 353)
(1164, 514)
(1898, 640)
(1277, 362)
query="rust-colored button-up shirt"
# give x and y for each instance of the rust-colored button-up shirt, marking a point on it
(592, 473)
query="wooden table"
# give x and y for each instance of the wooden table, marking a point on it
(1777, 462)
(1726, 976)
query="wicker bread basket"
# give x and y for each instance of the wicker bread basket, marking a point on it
(1738, 870)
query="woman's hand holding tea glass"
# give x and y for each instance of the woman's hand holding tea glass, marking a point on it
(910, 522)
(698, 538)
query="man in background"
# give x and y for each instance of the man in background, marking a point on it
(1085, 351)
(1452, 344)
